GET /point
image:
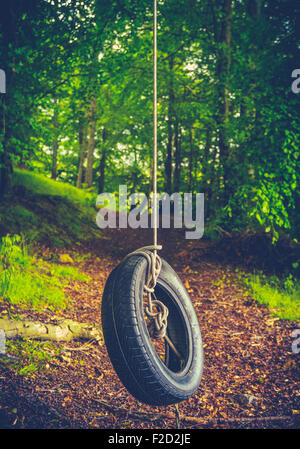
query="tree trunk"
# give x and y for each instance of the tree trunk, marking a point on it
(191, 160)
(169, 159)
(208, 173)
(223, 68)
(212, 203)
(82, 154)
(6, 166)
(6, 171)
(102, 162)
(55, 141)
(91, 145)
(254, 8)
(9, 27)
(177, 144)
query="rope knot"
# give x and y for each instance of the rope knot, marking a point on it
(158, 318)
(158, 325)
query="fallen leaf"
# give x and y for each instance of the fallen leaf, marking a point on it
(65, 258)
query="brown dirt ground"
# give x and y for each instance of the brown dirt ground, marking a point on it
(251, 376)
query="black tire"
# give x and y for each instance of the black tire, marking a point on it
(128, 342)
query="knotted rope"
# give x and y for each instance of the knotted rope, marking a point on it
(155, 310)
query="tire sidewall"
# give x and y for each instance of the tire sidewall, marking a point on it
(186, 382)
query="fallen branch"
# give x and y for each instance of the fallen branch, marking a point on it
(192, 419)
(130, 413)
(224, 232)
(65, 330)
(84, 347)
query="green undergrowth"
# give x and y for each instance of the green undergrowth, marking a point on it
(56, 214)
(282, 297)
(27, 357)
(43, 210)
(42, 185)
(28, 280)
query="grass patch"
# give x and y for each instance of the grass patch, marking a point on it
(29, 356)
(281, 297)
(24, 279)
(42, 185)
(54, 213)
(65, 271)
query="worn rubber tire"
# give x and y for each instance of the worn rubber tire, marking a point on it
(129, 345)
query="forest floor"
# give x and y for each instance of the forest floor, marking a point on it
(251, 377)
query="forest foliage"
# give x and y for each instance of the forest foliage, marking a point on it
(78, 102)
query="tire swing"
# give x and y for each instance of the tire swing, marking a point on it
(150, 327)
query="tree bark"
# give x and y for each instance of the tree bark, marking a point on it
(208, 173)
(9, 27)
(82, 153)
(223, 69)
(254, 8)
(169, 159)
(65, 330)
(177, 144)
(6, 166)
(102, 162)
(191, 159)
(55, 141)
(91, 145)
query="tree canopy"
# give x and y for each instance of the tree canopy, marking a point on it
(78, 101)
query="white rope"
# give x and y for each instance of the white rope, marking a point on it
(156, 311)
(155, 124)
